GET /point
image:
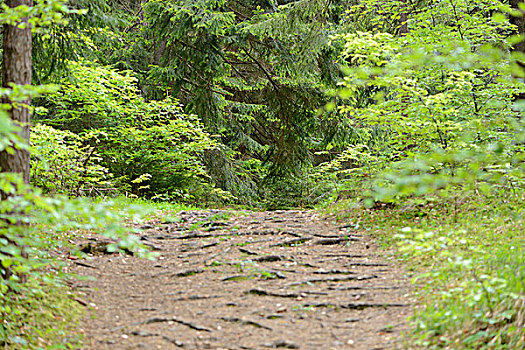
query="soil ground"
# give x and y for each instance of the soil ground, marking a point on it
(245, 280)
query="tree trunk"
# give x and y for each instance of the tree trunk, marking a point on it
(16, 69)
(520, 23)
(403, 19)
(403, 31)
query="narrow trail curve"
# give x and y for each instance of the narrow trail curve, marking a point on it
(254, 280)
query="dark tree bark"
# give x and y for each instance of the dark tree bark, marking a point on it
(520, 23)
(16, 69)
(402, 23)
(403, 19)
(403, 31)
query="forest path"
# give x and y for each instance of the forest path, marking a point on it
(249, 280)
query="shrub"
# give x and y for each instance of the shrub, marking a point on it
(61, 163)
(152, 148)
(157, 159)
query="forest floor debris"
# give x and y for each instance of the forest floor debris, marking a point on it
(221, 295)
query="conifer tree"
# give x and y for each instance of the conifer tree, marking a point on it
(16, 69)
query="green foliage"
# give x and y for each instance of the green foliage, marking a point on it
(46, 323)
(254, 74)
(152, 148)
(60, 163)
(483, 292)
(155, 209)
(92, 97)
(285, 193)
(239, 177)
(441, 142)
(41, 15)
(33, 229)
(251, 72)
(442, 100)
(466, 257)
(423, 119)
(160, 161)
(36, 309)
(8, 130)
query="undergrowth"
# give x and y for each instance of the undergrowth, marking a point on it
(38, 310)
(46, 317)
(468, 256)
(153, 207)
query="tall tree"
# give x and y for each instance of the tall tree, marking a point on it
(519, 22)
(403, 18)
(16, 69)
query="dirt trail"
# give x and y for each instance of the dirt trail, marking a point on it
(255, 280)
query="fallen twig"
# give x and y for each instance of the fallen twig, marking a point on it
(334, 271)
(272, 294)
(80, 263)
(173, 319)
(355, 306)
(292, 242)
(333, 279)
(247, 251)
(245, 322)
(197, 297)
(269, 258)
(334, 241)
